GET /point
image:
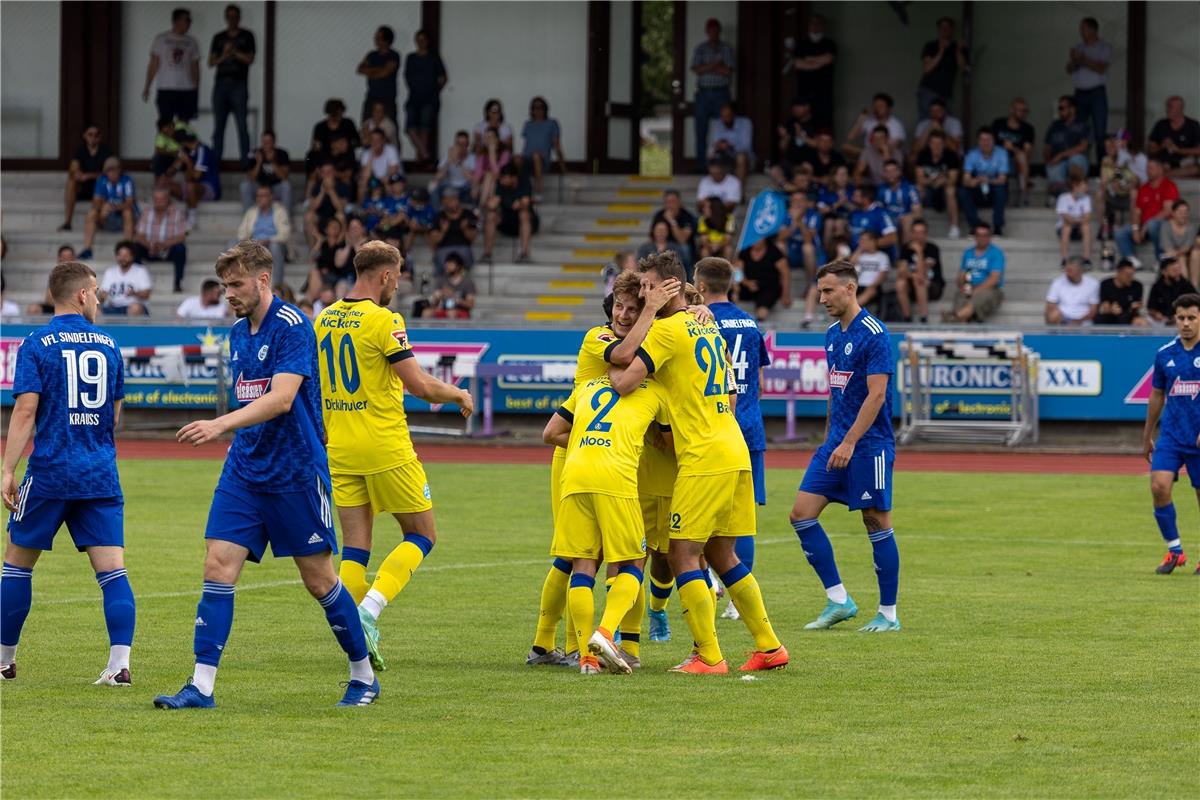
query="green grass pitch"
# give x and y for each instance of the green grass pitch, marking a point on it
(1040, 657)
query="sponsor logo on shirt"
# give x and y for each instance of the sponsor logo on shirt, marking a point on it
(839, 378)
(401, 338)
(249, 390)
(1182, 388)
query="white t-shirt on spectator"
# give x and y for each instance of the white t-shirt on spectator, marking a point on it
(729, 190)
(503, 129)
(9, 309)
(873, 268)
(120, 286)
(1071, 206)
(193, 308)
(384, 164)
(894, 125)
(1074, 299)
(951, 126)
(175, 57)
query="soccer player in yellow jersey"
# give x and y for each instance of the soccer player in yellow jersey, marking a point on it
(366, 363)
(604, 434)
(713, 499)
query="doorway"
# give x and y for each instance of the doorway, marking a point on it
(661, 89)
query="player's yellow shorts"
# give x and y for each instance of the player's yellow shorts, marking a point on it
(400, 490)
(656, 519)
(556, 468)
(704, 506)
(589, 524)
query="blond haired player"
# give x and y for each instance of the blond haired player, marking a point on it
(366, 364)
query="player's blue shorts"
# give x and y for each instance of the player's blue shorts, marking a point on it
(94, 522)
(1169, 456)
(865, 483)
(295, 523)
(759, 474)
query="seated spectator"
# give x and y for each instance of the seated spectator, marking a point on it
(682, 224)
(624, 261)
(660, 241)
(919, 274)
(765, 278)
(65, 253)
(731, 137)
(836, 203)
(985, 181)
(1151, 208)
(206, 305)
(493, 117)
(453, 234)
(164, 164)
(334, 269)
(270, 168)
(86, 165)
(542, 140)
(404, 279)
(161, 235)
(268, 222)
(796, 136)
(335, 126)
(1117, 188)
(421, 216)
(454, 292)
(114, 205)
(873, 266)
(1166, 290)
(1177, 139)
(900, 199)
(1066, 146)
(377, 162)
(824, 159)
(425, 76)
(1177, 238)
(379, 121)
(327, 201)
(1073, 297)
(980, 279)
(383, 203)
(859, 137)
(1074, 210)
(7, 307)
(869, 167)
(201, 177)
(125, 287)
(488, 163)
(801, 237)
(719, 183)
(1121, 298)
(940, 121)
(511, 212)
(345, 165)
(324, 276)
(937, 172)
(715, 229)
(869, 215)
(1016, 136)
(455, 171)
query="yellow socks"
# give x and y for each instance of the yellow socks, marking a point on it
(583, 609)
(398, 568)
(554, 600)
(353, 572)
(747, 599)
(631, 624)
(660, 593)
(699, 613)
(621, 598)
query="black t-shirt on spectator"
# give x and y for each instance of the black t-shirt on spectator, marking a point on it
(511, 194)
(383, 88)
(454, 236)
(932, 169)
(1020, 137)
(324, 135)
(933, 262)
(346, 162)
(822, 169)
(89, 162)
(683, 219)
(326, 209)
(817, 82)
(268, 173)
(763, 270)
(1187, 136)
(1163, 295)
(232, 68)
(1061, 136)
(421, 73)
(1125, 298)
(941, 78)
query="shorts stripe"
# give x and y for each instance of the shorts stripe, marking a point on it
(326, 513)
(880, 472)
(23, 498)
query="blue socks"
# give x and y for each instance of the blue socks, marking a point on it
(342, 615)
(119, 609)
(357, 555)
(818, 550)
(16, 595)
(214, 618)
(887, 565)
(744, 547)
(1165, 517)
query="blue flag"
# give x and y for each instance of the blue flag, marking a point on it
(766, 217)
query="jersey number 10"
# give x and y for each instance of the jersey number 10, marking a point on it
(90, 369)
(347, 362)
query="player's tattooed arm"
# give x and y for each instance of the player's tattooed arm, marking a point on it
(877, 386)
(1154, 410)
(275, 402)
(20, 429)
(624, 353)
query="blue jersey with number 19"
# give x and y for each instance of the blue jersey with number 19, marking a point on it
(863, 349)
(747, 354)
(78, 374)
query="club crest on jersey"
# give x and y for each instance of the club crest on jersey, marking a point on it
(249, 390)
(262, 353)
(839, 378)
(1196, 362)
(849, 347)
(606, 337)
(1182, 388)
(401, 338)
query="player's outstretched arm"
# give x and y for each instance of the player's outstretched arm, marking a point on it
(558, 431)
(20, 429)
(625, 380)
(877, 387)
(277, 401)
(623, 354)
(432, 390)
(1154, 410)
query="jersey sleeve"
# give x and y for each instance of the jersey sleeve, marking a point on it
(567, 409)
(393, 340)
(119, 372)
(27, 378)
(879, 355)
(297, 350)
(764, 355)
(1158, 379)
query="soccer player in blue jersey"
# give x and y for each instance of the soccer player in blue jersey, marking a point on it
(275, 485)
(1175, 399)
(69, 383)
(854, 465)
(747, 356)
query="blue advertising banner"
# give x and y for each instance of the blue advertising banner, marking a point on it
(1081, 377)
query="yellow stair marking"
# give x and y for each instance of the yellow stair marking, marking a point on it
(638, 192)
(630, 208)
(588, 268)
(549, 316)
(616, 222)
(587, 252)
(560, 300)
(615, 238)
(659, 179)
(564, 284)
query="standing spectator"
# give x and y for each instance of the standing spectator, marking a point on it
(455, 171)
(1066, 146)
(493, 117)
(161, 234)
(660, 241)
(878, 151)
(1016, 136)
(114, 205)
(1166, 290)
(732, 138)
(941, 59)
(873, 266)
(765, 278)
(900, 199)
(938, 120)
(381, 67)
(713, 63)
(201, 178)
(813, 59)
(1151, 207)
(938, 171)
(206, 305)
(682, 226)
(495, 156)
(270, 169)
(379, 121)
(1073, 297)
(267, 222)
(542, 139)
(86, 165)
(377, 162)
(125, 287)
(1118, 185)
(719, 183)
(919, 274)
(327, 201)
(985, 181)
(867, 121)
(335, 126)
(1177, 239)
(511, 211)
(425, 76)
(980, 279)
(232, 53)
(453, 234)
(1121, 298)
(175, 62)
(1074, 210)
(1177, 138)
(1087, 64)
(454, 295)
